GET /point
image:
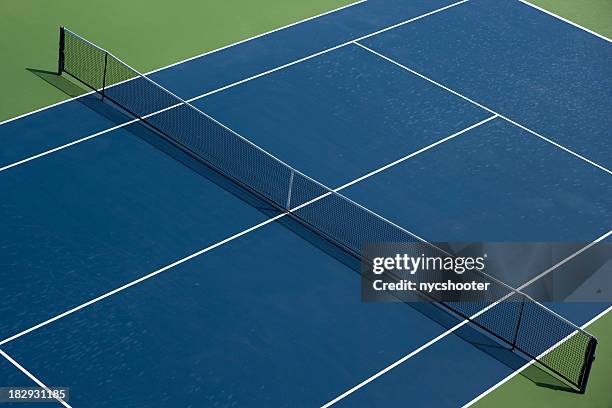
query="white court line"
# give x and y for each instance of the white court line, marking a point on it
(270, 71)
(31, 376)
(392, 366)
(568, 259)
(411, 354)
(517, 372)
(195, 57)
(485, 108)
(141, 279)
(566, 20)
(36, 156)
(450, 331)
(195, 254)
(454, 135)
(23, 115)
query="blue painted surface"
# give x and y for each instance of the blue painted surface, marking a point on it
(545, 74)
(270, 319)
(375, 114)
(53, 127)
(253, 323)
(86, 220)
(438, 377)
(493, 183)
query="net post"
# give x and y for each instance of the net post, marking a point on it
(586, 369)
(60, 58)
(104, 74)
(288, 206)
(518, 323)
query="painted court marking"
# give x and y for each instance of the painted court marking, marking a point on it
(232, 85)
(220, 243)
(279, 29)
(454, 135)
(418, 350)
(355, 42)
(159, 270)
(484, 107)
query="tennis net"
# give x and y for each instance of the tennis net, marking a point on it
(509, 315)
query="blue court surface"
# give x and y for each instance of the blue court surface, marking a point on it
(138, 277)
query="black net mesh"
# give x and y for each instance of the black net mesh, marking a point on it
(507, 314)
(84, 62)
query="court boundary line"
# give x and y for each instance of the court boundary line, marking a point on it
(455, 328)
(550, 13)
(197, 56)
(252, 77)
(524, 367)
(222, 242)
(31, 376)
(581, 157)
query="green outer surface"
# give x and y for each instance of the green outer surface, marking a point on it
(596, 15)
(148, 34)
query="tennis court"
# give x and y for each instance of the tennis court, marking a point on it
(140, 275)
